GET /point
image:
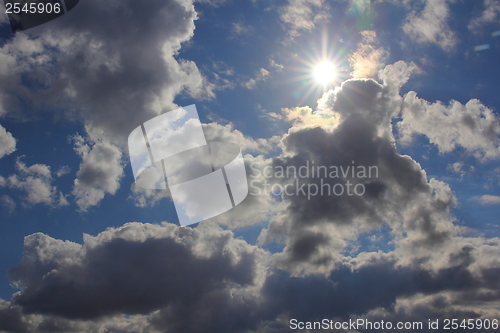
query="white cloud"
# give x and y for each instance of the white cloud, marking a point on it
(369, 58)
(490, 14)
(7, 142)
(302, 15)
(64, 170)
(240, 28)
(472, 126)
(7, 203)
(430, 26)
(487, 199)
(36, 181)
(261, 75)
(100, 171)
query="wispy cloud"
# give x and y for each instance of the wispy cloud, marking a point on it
(369, 57)
(430, 26)
(302, 15)
(489, 14)
(261, 75)
(487, 199)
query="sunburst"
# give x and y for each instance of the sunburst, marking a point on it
(319, 69)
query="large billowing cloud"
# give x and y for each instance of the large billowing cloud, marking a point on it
(397, 192)
(109, 64)
(139, 268)
(112, 64)
(158, 278)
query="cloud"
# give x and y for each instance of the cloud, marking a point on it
(110, 66)
(100, 171)
(369, 58)
(36, 182)
(487, 199)
(205, 280)
(473, 126)
(261, 76)
(240, 28)
(7, 142)
(318, 229)
(214, 3)
(8, 204)
(159, 266)
(100, 63)
(64, 170)
(302, 15)
(430, 25)
(490, 14)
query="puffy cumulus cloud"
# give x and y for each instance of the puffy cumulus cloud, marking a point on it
(358, 153)
(204, 280)
(396, 75)
(300, 15)
(489, 14)
(375, 286)
(7, 142)
(352, 131)
(472, 126)
(203, 273)
(36, 182)
(110, 64)
(100, 171)
(369, 57)
(430, 26)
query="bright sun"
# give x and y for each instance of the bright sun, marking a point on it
(324, 72)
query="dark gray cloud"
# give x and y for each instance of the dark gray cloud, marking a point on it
(106, 275)
(152, 278)
(398, 193)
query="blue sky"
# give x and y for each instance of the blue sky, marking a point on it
(415, 93)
